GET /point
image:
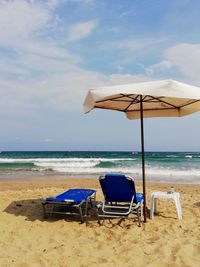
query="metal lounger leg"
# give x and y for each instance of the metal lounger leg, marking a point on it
(94, 198)
(44, 210)
(86, 209)
(98, 218)
(91, 204)
(90, 199)
(138, 215)
(81, 214)
(97, 214)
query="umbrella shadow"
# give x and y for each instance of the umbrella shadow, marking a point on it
(32, 210)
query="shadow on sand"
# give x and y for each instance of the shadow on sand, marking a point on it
(32, 210)
(197, 204)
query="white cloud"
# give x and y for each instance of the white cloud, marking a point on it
(127, 78)
(20, 19)
(53, 3)
(36, 61)
(134, 44)
(85, 2)
(161, 66)
(39, 74)
(33, 66)
(58, 91)
(184, 57)
(66, 91)
(81, 30)
(133, 49)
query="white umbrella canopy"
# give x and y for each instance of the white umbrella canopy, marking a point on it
(163, 98)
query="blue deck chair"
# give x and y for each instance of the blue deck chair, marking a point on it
(120, 197)
(72, 202)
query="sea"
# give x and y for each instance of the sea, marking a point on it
(172, 167)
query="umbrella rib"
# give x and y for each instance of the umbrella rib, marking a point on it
(132, 102)
(131, 96)
(116, 98)
(189, 103)
(109, 99)
(136, 101)
(109, 108)
(162, 101)
(145, 98)
(150, 109)
(165, 102)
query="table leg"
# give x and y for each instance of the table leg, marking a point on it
(155, 205)
(178, 207)
(152, 207)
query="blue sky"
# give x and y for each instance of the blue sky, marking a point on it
(52, 52)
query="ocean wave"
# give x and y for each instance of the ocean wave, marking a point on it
(90, 171)
(4, 160)
(183, 166)
(172, 172)
(135, 170)
(65, 164)
(106, 164)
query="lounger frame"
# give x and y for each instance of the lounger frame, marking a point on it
(120, 209)
(52, 207)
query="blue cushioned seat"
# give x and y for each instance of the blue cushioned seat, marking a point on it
(120, 196)
(73, 195)
(73, 202)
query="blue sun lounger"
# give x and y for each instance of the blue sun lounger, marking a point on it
(120, 197)
(72, 202)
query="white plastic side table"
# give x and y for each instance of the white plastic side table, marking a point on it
(165, 195)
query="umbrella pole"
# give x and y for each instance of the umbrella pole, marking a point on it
(143, 157)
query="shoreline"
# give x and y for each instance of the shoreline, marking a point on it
(73, 181)
(157, 179)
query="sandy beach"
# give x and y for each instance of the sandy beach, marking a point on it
(29, 240)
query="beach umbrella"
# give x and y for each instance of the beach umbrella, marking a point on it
(162, 98)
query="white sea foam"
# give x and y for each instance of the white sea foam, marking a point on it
(88, 168)
(91, 166)
(66, 164)
(8, 160)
